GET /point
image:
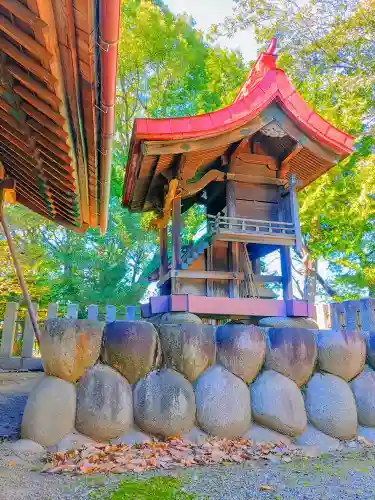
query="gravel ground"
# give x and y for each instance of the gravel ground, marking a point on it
(349, 476)
(14, 389)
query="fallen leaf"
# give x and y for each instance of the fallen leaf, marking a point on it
(266, 487)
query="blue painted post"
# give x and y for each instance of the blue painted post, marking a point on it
(130, 312)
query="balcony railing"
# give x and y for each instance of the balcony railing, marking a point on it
(251, 229)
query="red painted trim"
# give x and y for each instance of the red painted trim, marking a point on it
(264, 85)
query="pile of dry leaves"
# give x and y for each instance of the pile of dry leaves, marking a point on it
(164, 455)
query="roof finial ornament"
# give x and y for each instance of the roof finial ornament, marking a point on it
(272, 46)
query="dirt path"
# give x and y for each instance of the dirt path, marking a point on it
(328, 478)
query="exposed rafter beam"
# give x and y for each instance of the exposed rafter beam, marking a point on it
(23, 39)
(23, 13)
(26, 61)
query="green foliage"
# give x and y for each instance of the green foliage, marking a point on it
(156, 488)
(327, 49)
(166, 68)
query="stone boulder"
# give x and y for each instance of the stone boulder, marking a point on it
(291, 352)
(223, 403)
(131, 347)
(174, 318)
(132, 437)
(70, 346)
(164, 403)
(188, 348)
(316, 438)
(277, 403)
(241, 349)
(341, 353)
(74, 441)
(104, 404)
(50, 411)
(330, 406)
(26, 447)
(363, 388)
(371, 348)
(285, 322)
(195, 436)
(261, 435)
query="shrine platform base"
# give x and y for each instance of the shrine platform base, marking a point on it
(219, 307)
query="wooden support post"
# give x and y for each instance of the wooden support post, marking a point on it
(176, 242)
(209, 267)
(255, 264)
(18, 269)
(52, 311)
(110, 314)
(28, 336)
(233, 246)
(163, 245)
(72, 312)
(131, 312)
(295, 213)
(176, 234)
(286, 272)
(9, 329)
(93, 312)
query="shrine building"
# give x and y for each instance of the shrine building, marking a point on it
(245, 163)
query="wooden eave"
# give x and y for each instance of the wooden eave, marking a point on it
(53, 118)
(266, 96)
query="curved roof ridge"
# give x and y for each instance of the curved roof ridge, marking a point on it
(266, 62)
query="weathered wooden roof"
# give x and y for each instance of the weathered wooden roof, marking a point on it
(58, 62)
(266, 104)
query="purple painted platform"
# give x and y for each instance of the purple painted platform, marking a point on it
(223, 306)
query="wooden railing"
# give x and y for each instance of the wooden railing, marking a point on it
(238, 225)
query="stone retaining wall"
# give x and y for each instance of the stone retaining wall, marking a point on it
(130, 380)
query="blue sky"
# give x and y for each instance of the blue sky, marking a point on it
(207, 12)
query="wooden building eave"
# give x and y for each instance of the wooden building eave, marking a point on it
(57, 83)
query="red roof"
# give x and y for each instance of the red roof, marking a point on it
(265, 84)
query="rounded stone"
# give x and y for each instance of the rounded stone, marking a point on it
(49, 412)
(74, 441)
(26, 447)
(260, 435)
(223, 403)
(104, 404)
(371, 348)
(195, 436)
(241, 349)
(188, 348)
(131, 347)
(363, 388)
(291, 352)
(177, 318)
(277, 403)
(70, 346)
(316, 438)
(164, 403)
(330, 406)
(341, 353)
(285, 322)
(132, 437)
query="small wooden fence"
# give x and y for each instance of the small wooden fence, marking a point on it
(350, 315)
(18, 349)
